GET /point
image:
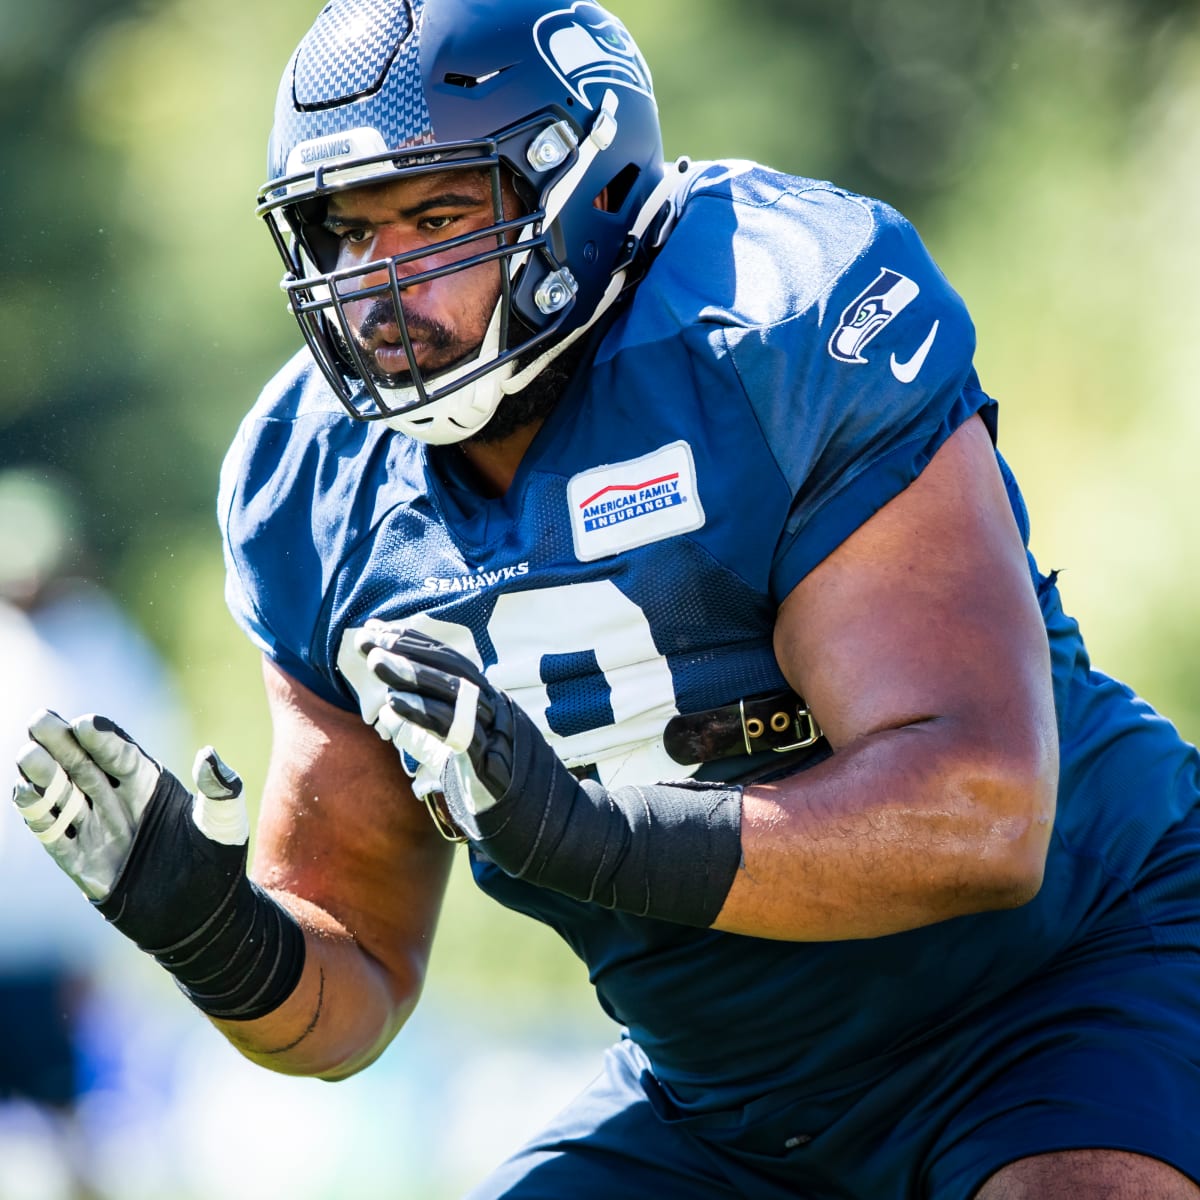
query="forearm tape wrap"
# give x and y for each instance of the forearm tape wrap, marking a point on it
(667, 851)
(186, 900)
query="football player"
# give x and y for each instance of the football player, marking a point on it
(645, 521)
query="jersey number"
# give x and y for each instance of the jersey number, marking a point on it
(581, 661)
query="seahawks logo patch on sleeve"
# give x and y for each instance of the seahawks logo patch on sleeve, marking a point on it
(869, 313)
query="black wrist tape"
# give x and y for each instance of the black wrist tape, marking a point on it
(186, 900)
(668, 851)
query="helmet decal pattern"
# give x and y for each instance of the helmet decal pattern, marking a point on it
(589, 49)
(338, 74)
(348, 51)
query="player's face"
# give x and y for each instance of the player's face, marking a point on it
(447, 316)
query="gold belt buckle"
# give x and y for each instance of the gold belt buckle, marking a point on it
(435, 802)
(807, 731)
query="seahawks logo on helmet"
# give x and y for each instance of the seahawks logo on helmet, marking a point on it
(588, 48)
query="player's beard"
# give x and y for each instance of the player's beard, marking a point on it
(536, 400)
(533, 403)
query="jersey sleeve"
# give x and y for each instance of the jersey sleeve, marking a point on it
(274, 575)
(855, 393)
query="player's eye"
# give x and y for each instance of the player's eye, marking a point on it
(437, 222)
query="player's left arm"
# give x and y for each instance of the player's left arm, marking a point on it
(920, 647)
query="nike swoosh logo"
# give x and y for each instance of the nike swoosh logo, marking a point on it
(906, 372)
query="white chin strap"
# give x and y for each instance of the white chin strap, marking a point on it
(455, 417)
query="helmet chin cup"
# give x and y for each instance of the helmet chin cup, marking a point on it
(552, 97)
(455, 417)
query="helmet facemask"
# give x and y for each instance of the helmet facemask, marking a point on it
(319, 293)
(557, 264)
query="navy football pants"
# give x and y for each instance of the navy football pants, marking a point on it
(1101, 1050)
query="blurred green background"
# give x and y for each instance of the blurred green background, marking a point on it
(1048, 151)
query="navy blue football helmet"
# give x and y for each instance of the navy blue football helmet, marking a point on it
(553, 94)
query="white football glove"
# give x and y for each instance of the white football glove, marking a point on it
(429, 752)
(166, 868)
(84, 787)
(667, 850)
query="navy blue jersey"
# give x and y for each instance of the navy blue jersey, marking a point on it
(791, 362)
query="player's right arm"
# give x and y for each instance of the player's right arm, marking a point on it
(311, 966)
(342, 843)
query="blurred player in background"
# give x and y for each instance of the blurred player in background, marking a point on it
(63, 639)
(645, 520)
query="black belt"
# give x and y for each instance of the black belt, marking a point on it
(778, 721)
